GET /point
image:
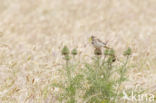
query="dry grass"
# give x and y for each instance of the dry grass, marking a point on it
(33, 31)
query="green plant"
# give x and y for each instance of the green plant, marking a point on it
(98, 75)
(103, 87)
(74, 52)
(71, 81)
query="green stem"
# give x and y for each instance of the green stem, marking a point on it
(121, 77)
(68, 70)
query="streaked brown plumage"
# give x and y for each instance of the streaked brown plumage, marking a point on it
(98, 44)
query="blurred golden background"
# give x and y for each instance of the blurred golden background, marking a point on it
(33, 31)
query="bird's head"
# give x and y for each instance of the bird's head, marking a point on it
(91, 38)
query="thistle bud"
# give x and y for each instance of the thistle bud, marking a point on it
(106, 52)
(111, 52)
(127, 52)
(65, 50)
(74, 52)
(97, 52)
(111, 59)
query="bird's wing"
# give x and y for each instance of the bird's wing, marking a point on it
(101, 42)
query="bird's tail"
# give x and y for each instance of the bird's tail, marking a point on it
(106, 47)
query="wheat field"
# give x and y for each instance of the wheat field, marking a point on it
(32, 32)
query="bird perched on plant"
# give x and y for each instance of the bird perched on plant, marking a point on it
(98, 44)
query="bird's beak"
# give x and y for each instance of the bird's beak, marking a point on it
(90, 39)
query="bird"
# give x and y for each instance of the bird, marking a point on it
(97, 43)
